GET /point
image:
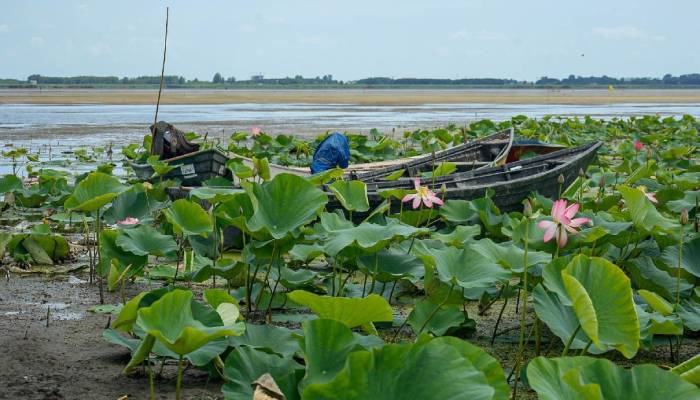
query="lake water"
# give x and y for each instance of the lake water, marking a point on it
(66, 127)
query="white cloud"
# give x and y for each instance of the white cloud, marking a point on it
(98, 49)
(4, 28)
(623, 32)
(480, 35)
(37, 41)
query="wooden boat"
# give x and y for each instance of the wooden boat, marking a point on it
(489, 150)
(190, 169)
(511, 182)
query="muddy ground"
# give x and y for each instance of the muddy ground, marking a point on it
(68, 359)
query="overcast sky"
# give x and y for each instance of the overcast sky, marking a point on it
(352, 39)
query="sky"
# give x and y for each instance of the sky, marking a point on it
(516, 39)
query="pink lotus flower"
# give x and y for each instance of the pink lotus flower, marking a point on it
(128, 221)
(563, 221)
(424, 194)
(255, 130)
(638, 146)
(650, 195)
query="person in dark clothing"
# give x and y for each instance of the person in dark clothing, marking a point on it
(333, 151)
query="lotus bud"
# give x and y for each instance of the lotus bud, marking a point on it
(527, 208)
(443, 190)
(684, 216)
(601, 181)
(561, 179)
(581, 173)
(650, 153)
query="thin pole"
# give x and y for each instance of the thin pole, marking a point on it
(162, 72)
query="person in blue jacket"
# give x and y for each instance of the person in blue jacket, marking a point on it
(333, 151)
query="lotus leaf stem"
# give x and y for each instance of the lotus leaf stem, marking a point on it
(570, 341)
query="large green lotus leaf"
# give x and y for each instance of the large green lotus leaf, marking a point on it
(284, 204)
(391, 264)
(109, 250)
(460, 236)
(457, 211)
(601, 296)
(467, 268)
(332, 222)
(134, 203)
(294, 279)
(216, 297)
(215, 195)
(643, 213)
(509, 255)
(367, 236)
(688, 202)
(439, 322)
(325, 176)
(646, 275)
(351, 194)
(689, 370)
(690, 257)
(5, 239)
(326, 346)
(245, 365)
(171, 321)
(56, 246)
(189, 218)
(144, 240)
(37, 251)
(93, 192)
(127, 316)
(350, 311)
(586, 378)
(10, 183)
(560, 318)
(485, 363)
(428, 369)
(689, 311)
(656, 302)
(269, 338)
(306, 252)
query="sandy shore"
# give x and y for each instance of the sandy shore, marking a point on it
(349, 96)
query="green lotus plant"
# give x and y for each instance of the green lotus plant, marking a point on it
(171, 322)
(590, 378)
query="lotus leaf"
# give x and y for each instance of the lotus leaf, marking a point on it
(189, 218)
(351, 194)
(366, 236)
(284, 204)
(467, 267)
(352, 312)
(601, 296)
(690, 257)
(245, 365)
(269, 338)
(438, 322)
(144, 240)
(326, 346)
(427, 369)
(391, 264)
(689, 370)
(643, 213)
(170, 320)
(589, 378)
(94, 192)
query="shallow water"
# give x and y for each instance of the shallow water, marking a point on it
(63, 128)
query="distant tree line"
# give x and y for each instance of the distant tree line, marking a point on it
(668, 79)
(218, 79)
(433, 81)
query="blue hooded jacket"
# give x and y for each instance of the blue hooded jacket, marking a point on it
(333, 151)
